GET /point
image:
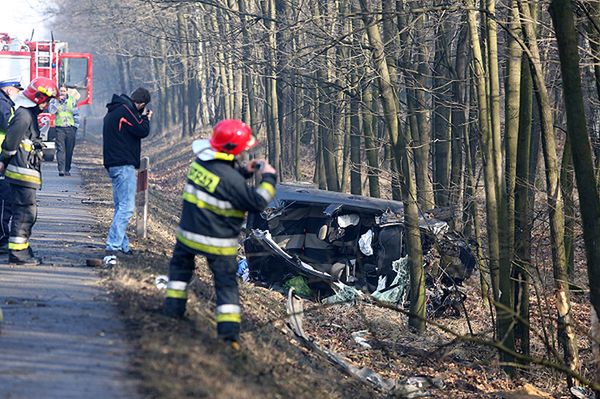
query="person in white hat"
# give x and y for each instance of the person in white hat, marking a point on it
(8, 89)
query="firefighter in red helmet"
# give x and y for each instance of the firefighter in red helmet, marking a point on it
(20, 162)
(216, 198)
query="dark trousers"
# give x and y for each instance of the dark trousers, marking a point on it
(65, 144)
(5, 212)
(224, 269)
(24, 215)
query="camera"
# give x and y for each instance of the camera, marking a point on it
(258, 166)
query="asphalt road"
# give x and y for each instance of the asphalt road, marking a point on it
(61, 336)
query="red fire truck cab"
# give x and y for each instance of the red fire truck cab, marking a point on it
(32, 59)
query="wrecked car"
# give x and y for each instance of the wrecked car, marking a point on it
(330, 237)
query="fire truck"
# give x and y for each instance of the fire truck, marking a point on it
(51, 59)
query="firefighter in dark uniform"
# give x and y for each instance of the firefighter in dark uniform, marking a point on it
(20, 161)
(216, 198)
(8, 88)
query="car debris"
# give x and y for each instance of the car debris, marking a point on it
(295, 312)
(359, 338)
(343, 243)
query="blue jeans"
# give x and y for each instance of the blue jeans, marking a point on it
(124, 183)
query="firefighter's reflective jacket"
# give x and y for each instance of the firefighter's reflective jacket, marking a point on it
(215, 200)
(21, 148)
(6, 113)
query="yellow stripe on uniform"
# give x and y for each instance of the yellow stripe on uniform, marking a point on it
(234, 213)
(176, 294)
(229, 318)
(18, 246)
(266, 190)
(209, 249)
(18, 176)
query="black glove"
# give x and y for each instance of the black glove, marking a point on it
(38, 145)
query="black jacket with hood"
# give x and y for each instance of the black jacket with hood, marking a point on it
(122, 133)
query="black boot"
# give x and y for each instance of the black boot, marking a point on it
(174, 307)
(24, 261)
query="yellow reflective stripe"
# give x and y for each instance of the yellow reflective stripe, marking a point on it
(26, 146)
(223, 156)
(203, 177)
(234, 213)
(265, 185)
(229, 318)
(176, 294)
(209, 249)
(18, 247)
(18, 176)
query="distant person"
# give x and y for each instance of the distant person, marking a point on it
(126, 123)
(8, 89)
(215, 201)
(66, 122)
(21, 163)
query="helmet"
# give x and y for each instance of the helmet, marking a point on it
(40, 90)
(232, 136)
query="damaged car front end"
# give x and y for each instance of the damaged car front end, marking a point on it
(333, 239)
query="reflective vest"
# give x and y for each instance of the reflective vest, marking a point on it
(64, 112)
(24, 167)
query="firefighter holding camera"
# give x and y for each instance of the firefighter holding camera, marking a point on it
(21, 162)
(216, 198)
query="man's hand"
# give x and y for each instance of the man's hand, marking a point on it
(267, 168)
(148, 113)
(2, 167)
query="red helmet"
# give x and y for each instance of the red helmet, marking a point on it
(40, 90)
(232, 137)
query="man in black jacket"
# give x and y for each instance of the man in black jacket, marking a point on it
(215, 201)
(126, 123)
(8, 88)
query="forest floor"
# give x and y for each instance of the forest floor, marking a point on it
(177, 359)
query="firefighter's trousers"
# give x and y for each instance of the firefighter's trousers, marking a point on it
(5, 213)
(224, 270)
(24, 215)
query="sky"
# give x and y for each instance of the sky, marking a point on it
(19, 17)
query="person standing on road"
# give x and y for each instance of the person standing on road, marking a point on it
(21, 162)
(8, 89)
(215, 201)
(126, 123)
(66, 122)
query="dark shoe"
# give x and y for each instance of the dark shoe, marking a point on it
(174, 307)
(61, 173)
(129, 252)
(31, 261)
(67, 173)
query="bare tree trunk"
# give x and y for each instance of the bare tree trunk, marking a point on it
(371, 147)
(402, 153)
(184, 86)
(555, 205)
(522, 211)
(589, 200)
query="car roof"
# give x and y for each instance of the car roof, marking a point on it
(313, 196)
